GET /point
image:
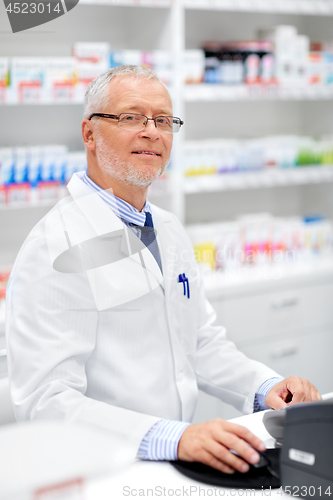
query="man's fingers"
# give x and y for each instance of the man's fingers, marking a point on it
(241, 441)
(298, 397)
(246, 436)
(315, 394)
(211, 460)
(290, 391)
(211, 442)
(302, 390)
(277, 403)
(225, 456)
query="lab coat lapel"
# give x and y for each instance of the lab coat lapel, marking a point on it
(103, 221)
(162, 226)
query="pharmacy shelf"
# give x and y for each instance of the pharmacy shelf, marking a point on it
(160, 189)
(261, 179)
(307, 7)
(128, 3)
(215, 92)
(250, 280)
(35, 204)
(219, 182)
(43, 103)
(210, 92)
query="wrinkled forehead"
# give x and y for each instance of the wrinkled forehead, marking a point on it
(138, 92)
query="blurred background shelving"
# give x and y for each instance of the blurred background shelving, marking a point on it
(286, 314)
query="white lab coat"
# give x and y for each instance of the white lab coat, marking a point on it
(115, 344)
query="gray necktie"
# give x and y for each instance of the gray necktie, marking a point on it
(148, 238)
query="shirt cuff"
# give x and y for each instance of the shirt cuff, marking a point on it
(260, 396)
(161, 441)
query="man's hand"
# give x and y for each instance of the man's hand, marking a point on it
(210, 443)
(291, 390)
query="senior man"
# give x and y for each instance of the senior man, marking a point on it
(107, 321)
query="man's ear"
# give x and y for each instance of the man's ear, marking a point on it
(88, 134)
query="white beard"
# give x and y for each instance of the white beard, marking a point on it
(110, 163)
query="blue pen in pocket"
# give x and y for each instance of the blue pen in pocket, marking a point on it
(183, 279)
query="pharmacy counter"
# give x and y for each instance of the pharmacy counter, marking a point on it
(162, 480)
(45, 460)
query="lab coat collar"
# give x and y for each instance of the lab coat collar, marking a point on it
(103, 220)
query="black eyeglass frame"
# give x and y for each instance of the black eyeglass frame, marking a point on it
(175, 119)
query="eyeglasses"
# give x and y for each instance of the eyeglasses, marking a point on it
(136, 123)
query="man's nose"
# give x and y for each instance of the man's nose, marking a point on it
(150, 130)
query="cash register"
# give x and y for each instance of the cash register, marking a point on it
(304, 432)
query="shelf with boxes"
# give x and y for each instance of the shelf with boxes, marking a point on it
(247, 82)
(279, 63)
(63, 80)
(267, 89)
(128, 3)
(277, 58)
(262, 244)
(226, 164)
(271, 293)
(247, 86)
(4, 276)
(36, 175)
(213, 92)
(254, 180)
(254, 280)
(311, 7)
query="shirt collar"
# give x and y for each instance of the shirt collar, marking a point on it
(120, 207)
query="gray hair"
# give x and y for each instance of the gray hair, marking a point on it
(96, 96)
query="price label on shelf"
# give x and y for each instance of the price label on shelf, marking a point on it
(296, 93)
(271, 5)
(286, 6)
(307, 7)
(216, 4)
(325, 92)
(3, 200)
(48, 191)
(268, 178)
(312, 92)
(2, 93)
(327, 173)
(255, 91)
(262, 5)
(270, 92)
(314, 175)
(243, 5)
(18, 194)
(324, 7)
(283, 93)
(30, 92)
(63, 92)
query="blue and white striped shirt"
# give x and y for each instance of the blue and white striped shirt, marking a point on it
(161, 441)
(121, 208)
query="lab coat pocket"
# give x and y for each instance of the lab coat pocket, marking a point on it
(187, 315)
